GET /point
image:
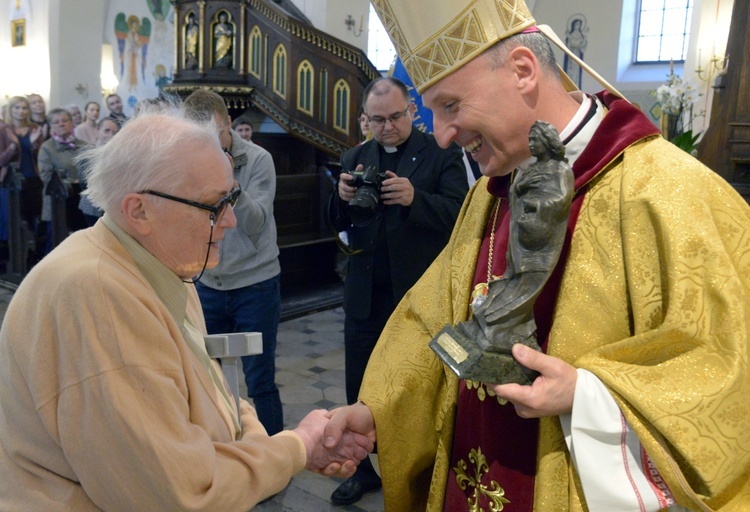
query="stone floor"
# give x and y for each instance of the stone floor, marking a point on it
(310, 373)
(310, 365)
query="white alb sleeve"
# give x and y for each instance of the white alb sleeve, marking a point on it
(615, 471)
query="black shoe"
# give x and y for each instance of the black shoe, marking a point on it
(351, 490)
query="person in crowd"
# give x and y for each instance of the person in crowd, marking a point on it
(651, 290)
(8, 148)
(88, 130)
(57, 156)
(8, 144)
(151, 103)
(242, 293)
(420, 194)
(75, 114)
(114, 104)
(364, 125)
(39, 113)
(108, 398)
(106, 129)
(243, 128)
(24, 139)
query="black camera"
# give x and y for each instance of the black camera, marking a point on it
(366, 200)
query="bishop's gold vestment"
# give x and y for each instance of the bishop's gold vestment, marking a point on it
(655, 301)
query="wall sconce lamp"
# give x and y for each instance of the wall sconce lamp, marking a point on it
(711, 69)
(351, 23)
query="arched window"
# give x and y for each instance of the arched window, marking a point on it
(256, 52)
(279, 71)
(341, 94)
(663, 30)
(324, 96)
(305, 85)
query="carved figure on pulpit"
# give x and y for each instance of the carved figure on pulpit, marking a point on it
(191, 42)
(223, 39)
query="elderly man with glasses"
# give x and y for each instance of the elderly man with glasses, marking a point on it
(108, 398)
(421, 188)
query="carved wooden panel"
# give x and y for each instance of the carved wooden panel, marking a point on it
(725, 146)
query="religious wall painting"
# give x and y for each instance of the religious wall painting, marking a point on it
(160, 9)
(18, 32)
(576, 39)
(143, 35)
(133, 35)
(222, 41)
(161, 78)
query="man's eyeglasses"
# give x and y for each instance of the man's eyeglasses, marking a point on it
(216, 210)
(380, 121)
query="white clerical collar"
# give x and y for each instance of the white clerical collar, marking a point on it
(582, 132)
(390, 149)
(582, 126)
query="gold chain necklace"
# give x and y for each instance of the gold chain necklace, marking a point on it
(479, 293)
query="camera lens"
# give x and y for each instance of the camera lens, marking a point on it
(364, 205)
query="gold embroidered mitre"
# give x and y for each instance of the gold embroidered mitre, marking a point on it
(434, 39)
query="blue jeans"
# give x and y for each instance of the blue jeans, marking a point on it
(255, 308)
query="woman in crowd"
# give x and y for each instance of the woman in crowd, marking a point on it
(24, 140)
(56, 156)
(39, 113)
(75, 114)
(87, 130)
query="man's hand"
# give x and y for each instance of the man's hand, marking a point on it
(551, 394)
(396, 190)
(336, 458)
(346, 191)
(356, 418)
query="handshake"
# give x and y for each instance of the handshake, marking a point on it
(336, 441)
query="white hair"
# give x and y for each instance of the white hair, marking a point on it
(147, 153)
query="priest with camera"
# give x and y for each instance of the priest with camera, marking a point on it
(397, 200)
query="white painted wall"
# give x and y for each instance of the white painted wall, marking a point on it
(25, 69)
(64, 40)
(75, 54)
(610, 43)
(330, 15)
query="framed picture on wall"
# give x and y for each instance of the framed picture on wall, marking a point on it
(18, 32)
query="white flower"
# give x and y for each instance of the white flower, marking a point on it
(676, 95)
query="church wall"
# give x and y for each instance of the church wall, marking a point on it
(74, 54)
(609, 25)
(330, 15)
(64, 38)
(25, 68)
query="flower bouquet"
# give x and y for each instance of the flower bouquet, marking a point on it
(677, 97)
